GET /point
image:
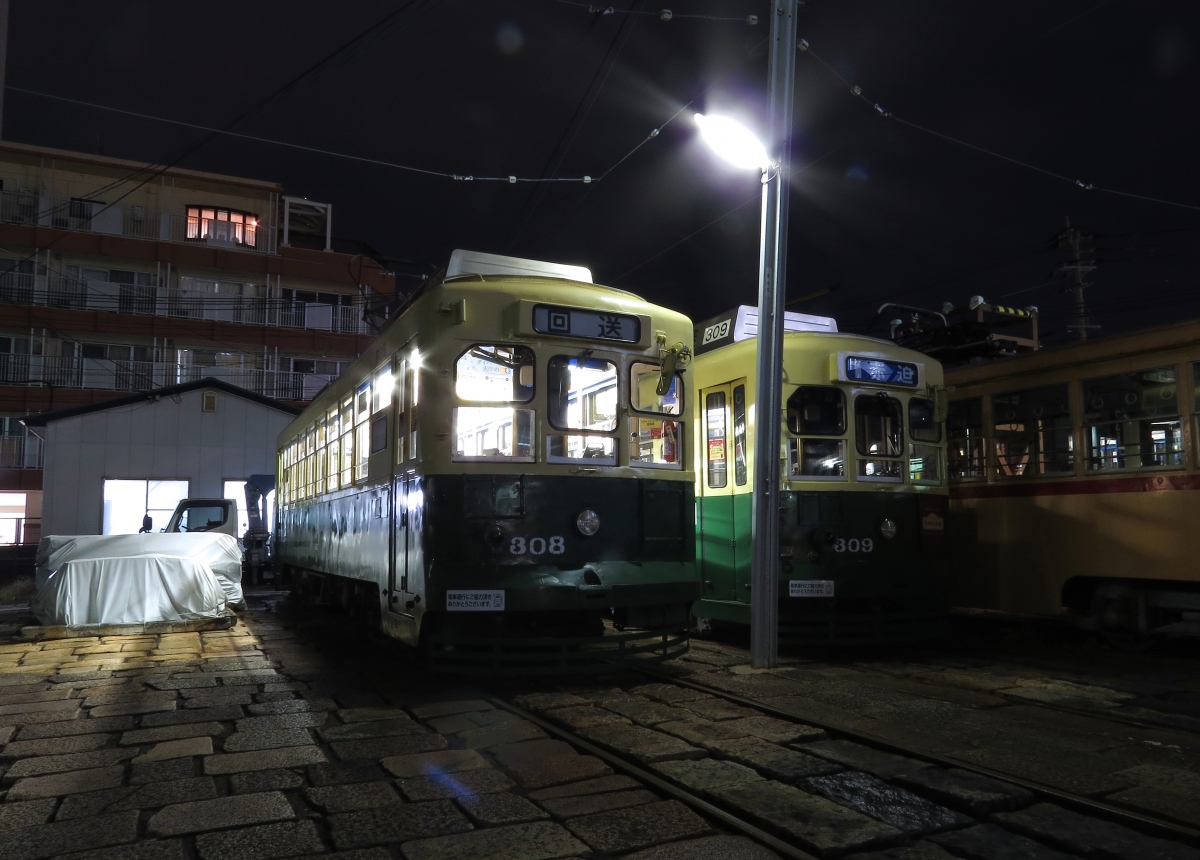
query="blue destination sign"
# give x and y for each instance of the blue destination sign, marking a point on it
(881, 372)
(593, 325)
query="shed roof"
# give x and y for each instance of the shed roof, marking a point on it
(41, 419)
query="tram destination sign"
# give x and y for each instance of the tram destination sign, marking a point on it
(881, 371)
(593, 325)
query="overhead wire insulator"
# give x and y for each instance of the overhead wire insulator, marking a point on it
(666, 15)
(751, 20)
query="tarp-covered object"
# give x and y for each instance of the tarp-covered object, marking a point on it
(129, 590)
(218, 551)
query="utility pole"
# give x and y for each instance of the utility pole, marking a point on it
(1077, 270)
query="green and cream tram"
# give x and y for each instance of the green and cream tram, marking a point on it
(503, 477)
(862, 479)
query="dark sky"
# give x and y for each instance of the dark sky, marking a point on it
(1102, 92)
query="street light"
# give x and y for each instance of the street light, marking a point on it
(738, 146)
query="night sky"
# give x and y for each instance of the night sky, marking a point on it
(1100, 92)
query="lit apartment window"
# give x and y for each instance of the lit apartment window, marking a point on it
(222, 225)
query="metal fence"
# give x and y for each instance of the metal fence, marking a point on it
(108, 374)
(58, 291)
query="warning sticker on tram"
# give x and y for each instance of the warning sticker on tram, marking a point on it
(810, 588)
(475, 601)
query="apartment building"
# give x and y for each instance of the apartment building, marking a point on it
(117, 279)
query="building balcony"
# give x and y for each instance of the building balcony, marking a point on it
(108, 374)
(215, 301)
(136, 222)
(20, 452)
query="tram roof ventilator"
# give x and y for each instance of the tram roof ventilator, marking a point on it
(478, 263)
(741, 323)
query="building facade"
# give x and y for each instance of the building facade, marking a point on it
(116, 278)
(108, 464)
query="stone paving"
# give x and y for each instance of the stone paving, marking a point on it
(281, 739)
(293, 735)
(834, 797)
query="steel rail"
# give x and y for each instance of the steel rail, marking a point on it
(1141, 821)
(639, 773)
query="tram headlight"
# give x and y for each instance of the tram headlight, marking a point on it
(587, 522)
(887, 528)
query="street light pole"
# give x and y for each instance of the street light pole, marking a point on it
(772, 291)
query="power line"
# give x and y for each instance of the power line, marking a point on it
(857, 92)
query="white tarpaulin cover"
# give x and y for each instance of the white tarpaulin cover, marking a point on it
(220, 552)
(129, 591)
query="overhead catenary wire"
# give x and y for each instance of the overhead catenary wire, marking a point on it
(857, 92)
(459, 177)
(661, 14)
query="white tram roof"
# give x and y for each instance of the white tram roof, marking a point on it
(478, 263)
(741, 323)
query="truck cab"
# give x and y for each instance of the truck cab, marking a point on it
(206, 515)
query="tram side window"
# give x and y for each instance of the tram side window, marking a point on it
(715, 441)
(964, 431)
(817, 410)
(879, 433)
(582, 395)
(488, 373)
(924, 466)
(1032, 432)
(1131, 420)
(347, 424)
(333, 446)
(654, 441)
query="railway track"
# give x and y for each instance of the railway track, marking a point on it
(1185, 839)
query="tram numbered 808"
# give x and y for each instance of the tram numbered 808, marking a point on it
(862, 478)
(503, 477)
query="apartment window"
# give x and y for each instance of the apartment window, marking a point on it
(222, 226)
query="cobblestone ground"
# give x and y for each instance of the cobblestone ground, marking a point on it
(293, 735)
(274, 739)
(1062, 722)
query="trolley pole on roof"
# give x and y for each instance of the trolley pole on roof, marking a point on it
(772, 291)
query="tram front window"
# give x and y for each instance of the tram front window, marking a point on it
(654, 441)
(879, 433)
(817, 410)
(488, 373)
(582, 395)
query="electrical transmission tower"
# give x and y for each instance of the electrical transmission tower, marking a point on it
(1077, 270)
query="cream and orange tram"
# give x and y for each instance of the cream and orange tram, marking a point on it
(504, 476)
(1075, 475)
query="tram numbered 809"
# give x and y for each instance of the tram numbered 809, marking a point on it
(862, 478)
(503, 479)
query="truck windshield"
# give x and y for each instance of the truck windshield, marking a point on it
(201, 518)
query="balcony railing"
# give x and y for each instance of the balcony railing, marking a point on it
(20, 452)
(57, 291)
(138, 222)
(107, 374)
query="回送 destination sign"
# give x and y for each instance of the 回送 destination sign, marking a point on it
(573, 322)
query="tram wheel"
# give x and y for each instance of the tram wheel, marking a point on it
(1117, 612)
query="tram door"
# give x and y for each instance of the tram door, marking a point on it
(724, 509)
(405, 569)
